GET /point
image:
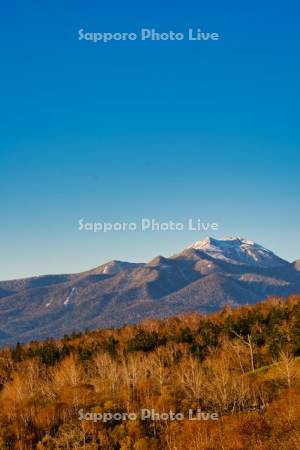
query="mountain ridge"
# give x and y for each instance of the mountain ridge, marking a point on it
(204, 277)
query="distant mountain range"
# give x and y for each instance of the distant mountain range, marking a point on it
(203, 277)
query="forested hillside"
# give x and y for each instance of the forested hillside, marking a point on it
(240, 365)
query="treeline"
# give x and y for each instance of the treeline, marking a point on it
(239, 363)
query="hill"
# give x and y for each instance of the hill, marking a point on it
(229, 380)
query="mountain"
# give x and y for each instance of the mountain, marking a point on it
(238, 251)
(203, 277)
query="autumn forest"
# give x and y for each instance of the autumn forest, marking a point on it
(238, 369)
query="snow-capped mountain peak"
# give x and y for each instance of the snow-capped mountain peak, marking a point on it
(237, 250)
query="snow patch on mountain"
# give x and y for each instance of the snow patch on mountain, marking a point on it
(70, 296)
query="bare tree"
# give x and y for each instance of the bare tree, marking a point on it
(287, 367)
(250, 344)
(191, 377)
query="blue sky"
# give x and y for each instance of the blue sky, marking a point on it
(168, 130)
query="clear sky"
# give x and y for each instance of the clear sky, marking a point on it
(169, 130)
